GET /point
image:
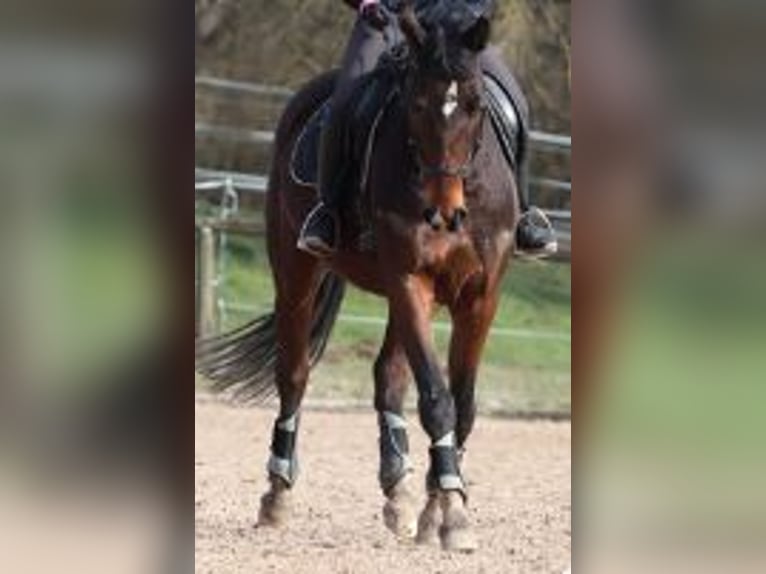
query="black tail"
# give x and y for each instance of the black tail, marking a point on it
(244, 360)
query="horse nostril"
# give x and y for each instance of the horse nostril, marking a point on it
(434, 218)
(456, 223)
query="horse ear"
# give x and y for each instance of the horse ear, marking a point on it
(476, 37)
(412, 29)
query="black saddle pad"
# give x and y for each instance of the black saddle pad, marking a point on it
(368, 104)
(304, 165)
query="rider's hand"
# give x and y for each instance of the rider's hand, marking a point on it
(374, 14)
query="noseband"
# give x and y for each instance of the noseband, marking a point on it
(444, 171)
(425, 170)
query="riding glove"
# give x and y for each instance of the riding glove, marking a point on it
(374, 14)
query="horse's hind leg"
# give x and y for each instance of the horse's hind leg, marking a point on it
(392, 376)
(296, 281)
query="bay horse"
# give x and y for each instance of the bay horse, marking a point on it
(445, 205)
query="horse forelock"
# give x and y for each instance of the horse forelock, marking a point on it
(446, 54)
(444, 57)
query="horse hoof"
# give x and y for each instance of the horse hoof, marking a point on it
(275, 509)
(455, 532)
(458, 538)
(428, 524)
(400, 518)
(399, 510)
(428, 535)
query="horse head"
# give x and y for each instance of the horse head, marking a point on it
(444, 104)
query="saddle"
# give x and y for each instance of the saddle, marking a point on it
(372, 96)
(506, 123)
(369, 101)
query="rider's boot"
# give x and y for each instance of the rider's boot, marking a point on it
(535, 236)
(320, 234)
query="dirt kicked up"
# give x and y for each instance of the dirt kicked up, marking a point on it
(518, 475)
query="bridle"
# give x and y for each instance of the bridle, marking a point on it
(425, 170)
(445, 171)
(398, 56)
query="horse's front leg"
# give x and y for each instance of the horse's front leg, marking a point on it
(471, 320)
(410, 299)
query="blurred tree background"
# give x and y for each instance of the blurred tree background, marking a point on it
(285, 42)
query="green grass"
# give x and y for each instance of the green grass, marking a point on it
(519, 372)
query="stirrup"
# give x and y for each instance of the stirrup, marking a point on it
(539, 219)
(318, 248)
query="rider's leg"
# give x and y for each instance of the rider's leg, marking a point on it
(534, 234)
(320, 232)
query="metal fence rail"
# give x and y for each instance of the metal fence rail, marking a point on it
(247, 87)
(208, 179)
(511, 332)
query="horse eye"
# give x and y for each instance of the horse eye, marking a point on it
(420, 106)
(474, 104)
